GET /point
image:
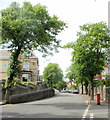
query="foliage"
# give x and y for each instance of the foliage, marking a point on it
(18, 69)
(26, 83)
(70, 73)
(107, 81)
(61, 85)
(90, 49)
(73, 87)
(52, 74)
(15, 80)
(26, 28)
(30, 27)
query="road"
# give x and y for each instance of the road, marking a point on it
(62, 105)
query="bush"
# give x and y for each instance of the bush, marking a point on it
(26, 83)
(17, 80)
(108, 82)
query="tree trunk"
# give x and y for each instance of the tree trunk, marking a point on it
(82, 88)
(71, 82)
(86, 88)
(7, 95)
(101, 91)
(92, 91)
(13, 65)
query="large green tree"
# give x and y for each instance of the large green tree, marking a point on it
(89, 51)
(28, 27)
(52, 74)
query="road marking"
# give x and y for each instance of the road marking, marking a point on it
(91, 116)
(85, 113)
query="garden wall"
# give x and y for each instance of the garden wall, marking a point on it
(31, 96)
(20, 90)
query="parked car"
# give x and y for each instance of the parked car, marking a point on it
(68, 91)
(63, 91)
(75, 91)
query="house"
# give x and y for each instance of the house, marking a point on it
(30, 66)
(105, 73)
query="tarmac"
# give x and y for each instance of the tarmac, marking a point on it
(88, 101)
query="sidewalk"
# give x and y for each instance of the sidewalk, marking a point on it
(94, 102)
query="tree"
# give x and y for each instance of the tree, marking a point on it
(28, 28)
(89, 51)
(61, 85)
(52, 74)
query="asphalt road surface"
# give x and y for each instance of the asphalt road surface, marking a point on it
(62, 105)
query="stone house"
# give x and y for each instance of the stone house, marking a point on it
(30, 66)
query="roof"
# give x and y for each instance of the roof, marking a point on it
(4, 58)
(5, 55)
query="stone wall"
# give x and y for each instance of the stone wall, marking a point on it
(2, 90)
(31, 96)
(19, 89)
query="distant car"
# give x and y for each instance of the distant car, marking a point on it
(75, 91)
(68, 91)
(63, 91)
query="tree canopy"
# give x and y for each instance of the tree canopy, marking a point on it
(52, 74)
(30, 27)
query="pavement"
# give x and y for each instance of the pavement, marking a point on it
(89, 101)
(94, 102)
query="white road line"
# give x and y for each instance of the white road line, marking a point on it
(85, 113)
(91, 116)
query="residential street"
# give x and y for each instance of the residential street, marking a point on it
(62, 105)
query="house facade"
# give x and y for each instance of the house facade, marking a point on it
(105, 73)
(30, 66)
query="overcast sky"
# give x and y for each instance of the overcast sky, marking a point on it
(75, 13)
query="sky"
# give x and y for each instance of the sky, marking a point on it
(74, 13)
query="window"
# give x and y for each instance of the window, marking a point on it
(25, 55)
(25, 65)
(34, 63)
(4, 67)
(26, 78)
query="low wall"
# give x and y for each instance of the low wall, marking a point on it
(31, 96)
(19, 88)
